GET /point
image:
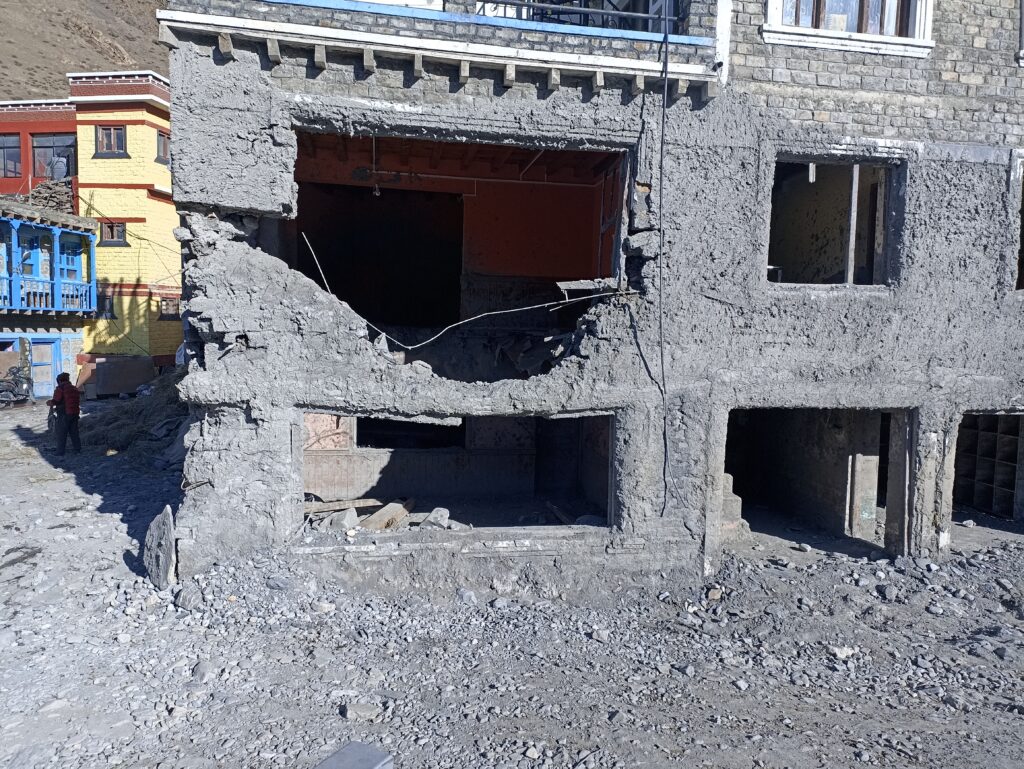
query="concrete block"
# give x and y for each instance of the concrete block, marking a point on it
(357, 755)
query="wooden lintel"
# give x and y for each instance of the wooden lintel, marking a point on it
(316, 508)
(637, 86)
(167, 37)
(369, 60)
(225, 46)
(417, 65)
(273, 50)
(598, 81)
(554, 79)
(320, 56)
(510, 75)
(463, 71)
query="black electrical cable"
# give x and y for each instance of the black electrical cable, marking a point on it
(661, 263)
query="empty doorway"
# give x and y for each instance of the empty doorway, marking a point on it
(838, 471)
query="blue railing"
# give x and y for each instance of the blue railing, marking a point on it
(23, 293)
(44, 268)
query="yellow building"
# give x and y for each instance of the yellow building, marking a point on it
(124, 181)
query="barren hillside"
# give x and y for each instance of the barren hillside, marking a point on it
(41, 41)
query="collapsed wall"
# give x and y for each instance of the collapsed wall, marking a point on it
(939, 334)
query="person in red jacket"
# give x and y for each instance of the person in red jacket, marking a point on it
(67, 399)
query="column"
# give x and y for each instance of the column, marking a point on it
(16, 298)
(55, 270)
(931, 455)
(92, 271)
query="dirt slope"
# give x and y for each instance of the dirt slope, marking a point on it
(41, 41)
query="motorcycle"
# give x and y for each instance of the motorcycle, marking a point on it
(16, 387)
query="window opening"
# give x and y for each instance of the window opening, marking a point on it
(824, 469)
(111, 142)
(486, 471)
(113, 234)
(10, 155)
(170, 309)
(163, 147)
(831, 223)
(989, 466)
(402, 434)
(873, 17)
(105, 307)
(54, 156)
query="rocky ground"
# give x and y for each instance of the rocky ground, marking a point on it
(793, 657)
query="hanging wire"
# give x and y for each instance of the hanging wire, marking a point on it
(661, 264)
(446, 329)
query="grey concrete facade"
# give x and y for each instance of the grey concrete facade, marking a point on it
(944, 335)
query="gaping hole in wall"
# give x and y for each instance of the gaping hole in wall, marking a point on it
(832, 223)
(833, 470)
(988, 485)
(416, 235)
(486, 471)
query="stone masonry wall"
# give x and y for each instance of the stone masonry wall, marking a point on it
(945, 337)
(966, 91)
(448, 30)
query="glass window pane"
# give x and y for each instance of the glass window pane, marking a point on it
(874, 25)
(841, 15)
(891, 8)
(10, 155)
(53, 156)
(806, 13)
(789, 12)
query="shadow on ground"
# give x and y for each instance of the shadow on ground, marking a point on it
(774, 523)
(126, 483)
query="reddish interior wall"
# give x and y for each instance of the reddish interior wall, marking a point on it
(532, 230)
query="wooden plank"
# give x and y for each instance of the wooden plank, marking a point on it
(226, 46)
(563, 516)
(273, 50)
(389, 516)
(341, 504)
(851, 250)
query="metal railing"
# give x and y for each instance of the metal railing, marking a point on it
(581, 13)
(22, 292)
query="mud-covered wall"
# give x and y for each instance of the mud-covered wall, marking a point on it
(946, 336)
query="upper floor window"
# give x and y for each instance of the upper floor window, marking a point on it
(113, 234)
(111, 141)
(10, 155)
(54, 156)
(901, 27)
(833, 223)
(170, 309)
(163, 147)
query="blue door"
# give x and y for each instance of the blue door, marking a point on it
(45, 367)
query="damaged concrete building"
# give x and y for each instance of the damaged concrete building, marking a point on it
(693, 263)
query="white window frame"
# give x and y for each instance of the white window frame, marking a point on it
(919, 46)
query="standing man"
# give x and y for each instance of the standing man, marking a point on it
(66, 398)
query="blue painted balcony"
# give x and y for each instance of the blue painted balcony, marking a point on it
(47, 262)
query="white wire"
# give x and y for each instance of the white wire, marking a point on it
(446, 329)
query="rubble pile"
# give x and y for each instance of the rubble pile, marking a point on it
(800, 653)
(151, 424)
